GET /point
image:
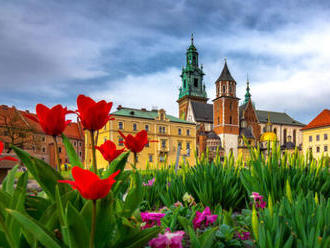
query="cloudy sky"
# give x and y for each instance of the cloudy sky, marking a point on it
(131, 52)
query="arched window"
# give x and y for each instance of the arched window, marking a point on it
(275, 131)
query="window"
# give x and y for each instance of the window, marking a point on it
(325, 136)
(120, 125)
(325, 148)
(230, 89)
(120, 141)
(163, 143)
(146, 128)
(179, 145)
(310, 149)
(80, 144)
(179, 131)
(317, 137)
(224, 89)
(284, 136)
(230, 120)
(80, 154)
(43, 149)
(310, 138)
(163, 129)
(75, 143)
(188, 132)
(275, 131)
(160, 129)
(230, 106)
(134, 127)
(60, 149)
(188, 148)
(196, 82)
(317, 149)
(294, 136)
(43, 138)
(150, 157)
(184, 83)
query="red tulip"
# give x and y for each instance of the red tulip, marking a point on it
(89, 185)
(93, 115)
(109, 151)
(52, 121)
(135, 143)
(6, 157)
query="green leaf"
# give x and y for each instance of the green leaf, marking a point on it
(134, 196)
(117, 164)
(9, 181)
(70, 151)
(77, 228)
(36, 229)
(45, 175)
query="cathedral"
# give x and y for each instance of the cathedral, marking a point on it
(224, 124)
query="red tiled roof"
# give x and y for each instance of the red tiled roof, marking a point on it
(322, 120)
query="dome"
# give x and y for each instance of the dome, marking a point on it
(268, 136)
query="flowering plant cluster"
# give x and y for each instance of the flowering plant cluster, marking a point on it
(258, 200)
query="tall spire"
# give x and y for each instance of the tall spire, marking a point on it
(192, 38)
(247, 94)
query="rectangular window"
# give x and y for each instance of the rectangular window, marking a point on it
(150, 157)
(310, 138)
(188, 132)
(60, 149)
(163, 129)
(134, 127)
(325, 148)
(317, 149)
(120, 141)
(325, 136)
(43, 149)
(120, 125)
(163, 143)
(146, 128)
(160, 129)
(188, 149)
(179, 131)
(317, 137)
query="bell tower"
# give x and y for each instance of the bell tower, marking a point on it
(226, 111)
(192, 87)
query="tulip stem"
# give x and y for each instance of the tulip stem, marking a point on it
(93, 151)
(92, 237)
(135, 161)
(57, 157)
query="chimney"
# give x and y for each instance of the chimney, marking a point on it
(119, 107)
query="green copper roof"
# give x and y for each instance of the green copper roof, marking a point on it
(146, 114)
(247, 94)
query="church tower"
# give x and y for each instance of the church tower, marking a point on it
(192, 88)
(226, 111)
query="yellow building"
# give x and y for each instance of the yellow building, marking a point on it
(316, 135)
(169, 132)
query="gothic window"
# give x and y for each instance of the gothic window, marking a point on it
(224, 89)
(196, 82)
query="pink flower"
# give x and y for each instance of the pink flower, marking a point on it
(178, 204)
(204, 217)
(244, 236)
(167, 240)
(150, 182)
(151, 219)
(258, 200)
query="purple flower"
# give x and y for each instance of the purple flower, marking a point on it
(258, 200)
(151, 219)
(167, 240)
(150, 182)
(204, 217)
(244, 236)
